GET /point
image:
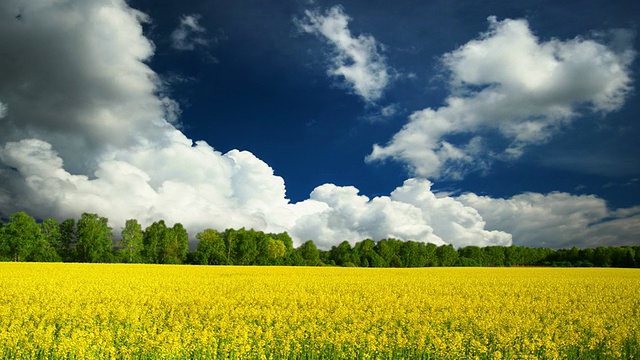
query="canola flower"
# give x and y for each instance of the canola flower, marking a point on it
(100, 311)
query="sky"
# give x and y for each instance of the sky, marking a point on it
(450, 122)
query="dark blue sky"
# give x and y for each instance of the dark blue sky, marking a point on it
(262, 85)
(450, 122)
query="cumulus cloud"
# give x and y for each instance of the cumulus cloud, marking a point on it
(509, 82)
(84, 127)
(180, 182)
(189, 33)
(412, 211)
(356, 59)
(557, 219)
(461, 225)
(75, 76)
(88, 130)
(345, 215)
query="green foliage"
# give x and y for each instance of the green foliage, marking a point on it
(474, 253)
(389, 250)
(286, 240)
(68, 240)
(131, 244)
(173, 245)
(152, 239)
(95, 242)
(44, 248)
(50, 229)
(90, 240)
(276, 250)
(211, 249)
(19, 236)
(310, 253)
(164, 245)
(365, 251)
(295, 259)
(246, 247)
(411, 255)
(342, 254)
(447, 255)
(465, 261)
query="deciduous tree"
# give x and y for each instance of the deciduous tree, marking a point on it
(131, 245)
(95, 242)
(19, 236)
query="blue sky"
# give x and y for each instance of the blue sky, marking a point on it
(268, 92)
(462, 122)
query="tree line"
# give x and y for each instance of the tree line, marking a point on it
(90, 239)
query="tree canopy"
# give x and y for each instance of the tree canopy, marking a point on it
(90, 239)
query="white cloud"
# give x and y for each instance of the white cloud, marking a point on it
(85, 129)
(557, 219)
(345, 215)
(75, 77)
(101, 141)
(411, 212)
(189, 33)
(202, 188)
(460, 225)
(355, 58)
(379, 114)
(88, 129)
(509, 82)
(196, 186)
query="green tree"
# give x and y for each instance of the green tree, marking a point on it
(286, 240)
(410, 254)
(131, 245)
(309, 253)
(514, 255)
(230, 236)
(341, 254)
(246, 247)
(173, 244)
(603, 256)
(182, 236)
(295, 259)
(365, 251)
(588, 255)
(276, 251)
(494, 256)
(465, 261)
(475, 253)
(389, 249)
(44, 249)
(19, 236)
(95, 242)
(4, 247)
(262, 244)
(168, 247)
(68, 240)
(429, 254)
(151, 241)
(210, 250)
(50, 229)
(623, 256)
(447, 255)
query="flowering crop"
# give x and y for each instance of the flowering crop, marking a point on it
(159, 311)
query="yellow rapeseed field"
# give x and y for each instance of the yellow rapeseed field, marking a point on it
(155, 311)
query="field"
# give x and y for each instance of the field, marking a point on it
(155, 311)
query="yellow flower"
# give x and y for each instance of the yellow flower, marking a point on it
(152, 311)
